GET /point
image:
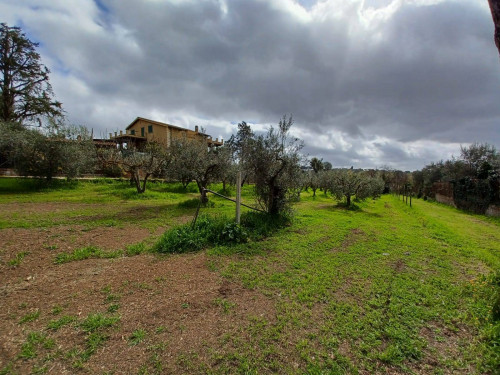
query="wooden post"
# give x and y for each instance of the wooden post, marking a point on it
(238, 197)
(410, 199)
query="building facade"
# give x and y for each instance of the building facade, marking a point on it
(143, 130)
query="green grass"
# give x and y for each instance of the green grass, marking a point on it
(376, 289)
(356, 288)
(85, 253)
(30, 317)
(137, 337)
(102, 202)
(62, 321)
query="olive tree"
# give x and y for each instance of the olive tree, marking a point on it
(203, 163)
(347, 183)
(141, 164)
(274, 160)
(239, 144)
(58, 150)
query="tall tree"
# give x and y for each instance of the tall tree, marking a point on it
(26, 94)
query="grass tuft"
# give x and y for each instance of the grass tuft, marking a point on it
(16, 261)
(62, 321)
(30, 317)
(85, 253)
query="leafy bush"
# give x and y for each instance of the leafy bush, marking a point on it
(207, 231)
(220, 230)
(233, 233)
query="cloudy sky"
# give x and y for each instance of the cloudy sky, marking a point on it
(369, 82)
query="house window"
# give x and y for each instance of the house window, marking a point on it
(132, 132)
(142, 132)
(150, 128)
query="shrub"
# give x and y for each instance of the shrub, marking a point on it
(210, 231)
(207, 231)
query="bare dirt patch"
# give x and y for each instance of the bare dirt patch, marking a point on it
(183, 309)
(42, 245)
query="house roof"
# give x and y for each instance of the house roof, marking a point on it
(161, 124)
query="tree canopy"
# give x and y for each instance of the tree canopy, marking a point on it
(25, 91)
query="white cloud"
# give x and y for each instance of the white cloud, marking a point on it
(369, 82)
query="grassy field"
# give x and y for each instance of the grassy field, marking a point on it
(382, 288)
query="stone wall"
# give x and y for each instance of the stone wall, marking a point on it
(445, 199)
(493, 210)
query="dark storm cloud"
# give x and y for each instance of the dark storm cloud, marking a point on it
(369, 88)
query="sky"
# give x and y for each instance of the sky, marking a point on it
(370, 83)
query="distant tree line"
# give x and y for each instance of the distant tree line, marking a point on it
(474, 177)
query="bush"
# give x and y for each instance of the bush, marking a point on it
(220, 230)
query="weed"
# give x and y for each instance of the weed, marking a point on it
(30, 317)
(113, 308)
(7, 370)
(207, 231)
(56, 310)
(112, 298)
(160, 329)
(97, 322)
(33, 341)
(160, 279)
(135, 249)
(95, 326)
(64, 320)
(85, 253)
(226, 305)
(137, 337)
(16, 261)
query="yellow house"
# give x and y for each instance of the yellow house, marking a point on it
(143, 130)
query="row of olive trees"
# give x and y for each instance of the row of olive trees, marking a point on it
(343, 183)
(55, 150)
